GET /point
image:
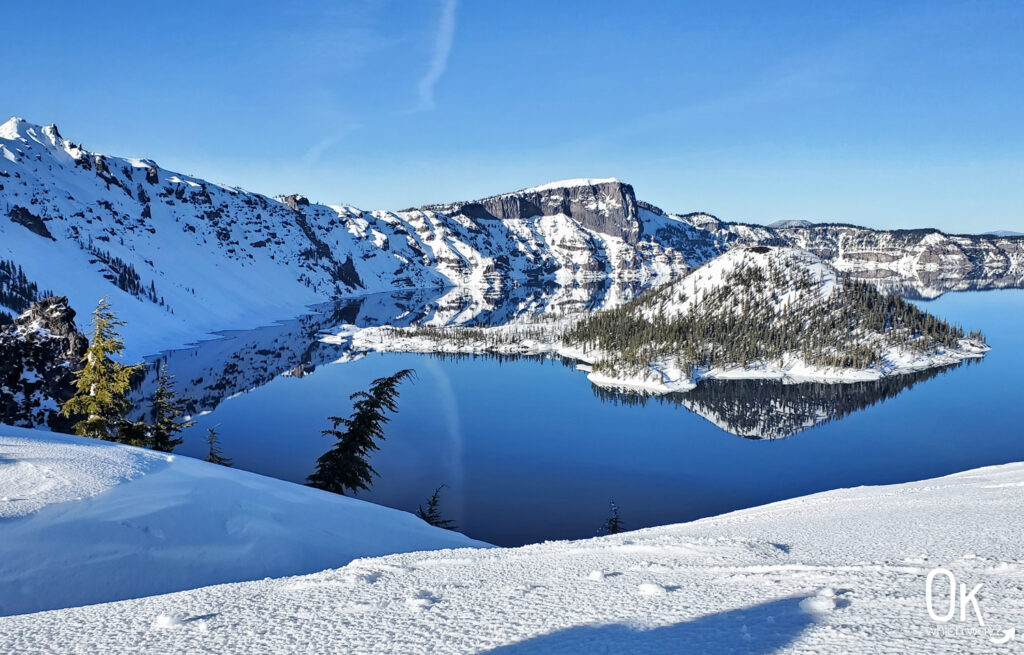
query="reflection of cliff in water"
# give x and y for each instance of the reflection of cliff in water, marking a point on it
(929, 285)
(769, 409)
(238, 361)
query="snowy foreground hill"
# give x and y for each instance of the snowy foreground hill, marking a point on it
(842, 571)
(85, 521)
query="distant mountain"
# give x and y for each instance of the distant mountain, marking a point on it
(1005, 233)
(785, 224)
(182, 257)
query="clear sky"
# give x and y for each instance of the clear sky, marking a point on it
(888, 114)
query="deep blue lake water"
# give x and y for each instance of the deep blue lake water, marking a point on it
(529, 451)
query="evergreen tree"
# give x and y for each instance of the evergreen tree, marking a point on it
(432, 514)
(167, 407)
(614, 524)
(345, 466)
(102, 383)
(215, 456)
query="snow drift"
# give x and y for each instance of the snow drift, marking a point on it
(85, 521)
(841, 571)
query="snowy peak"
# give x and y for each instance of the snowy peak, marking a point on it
(573, 183)
(16, 128)
(13, 128)
(782, 225)
(781, 274)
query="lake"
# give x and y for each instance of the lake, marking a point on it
(530, 451)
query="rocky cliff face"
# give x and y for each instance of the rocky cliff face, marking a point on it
(917, 263)
(607, 206)
(39, 354)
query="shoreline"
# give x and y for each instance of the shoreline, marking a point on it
(672, 379)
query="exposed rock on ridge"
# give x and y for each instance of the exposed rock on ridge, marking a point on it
(39, 354)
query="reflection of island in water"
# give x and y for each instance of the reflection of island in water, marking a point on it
(769, 409)
(212, 371)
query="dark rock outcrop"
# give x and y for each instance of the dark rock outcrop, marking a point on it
(39, 354)
(29, 221)
(605, 206)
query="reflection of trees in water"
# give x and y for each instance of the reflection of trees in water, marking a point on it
(769, 409)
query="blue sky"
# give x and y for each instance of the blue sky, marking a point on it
(878, 113)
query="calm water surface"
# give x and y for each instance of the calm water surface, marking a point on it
(530, 452)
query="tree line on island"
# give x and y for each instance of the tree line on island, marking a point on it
(745, 320)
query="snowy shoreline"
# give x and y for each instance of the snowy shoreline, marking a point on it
(657, 379)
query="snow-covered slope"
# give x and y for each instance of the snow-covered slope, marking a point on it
(182, 256)
(85, 521)
(843, 571)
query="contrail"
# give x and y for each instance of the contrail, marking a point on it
(442, 48)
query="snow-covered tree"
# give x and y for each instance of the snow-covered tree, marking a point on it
(101, 385)
(345, 466)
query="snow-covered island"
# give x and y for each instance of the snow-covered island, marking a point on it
(841, 571)
(752, 313)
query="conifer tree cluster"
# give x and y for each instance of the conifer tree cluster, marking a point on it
(17, 292)
(124, 275)
(758, 315)
(346, 467)
(101, 404)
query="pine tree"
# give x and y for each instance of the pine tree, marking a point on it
(167, 407)
(102, 383)
(345, 466)
(614, 524)
(432, 514)
(215, 456)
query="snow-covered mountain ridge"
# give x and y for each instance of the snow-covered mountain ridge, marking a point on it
(756, 312)
(182, 257)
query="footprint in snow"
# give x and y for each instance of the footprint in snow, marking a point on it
(651, 589)
(169, 621)
(821, 602)
(421, 600)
